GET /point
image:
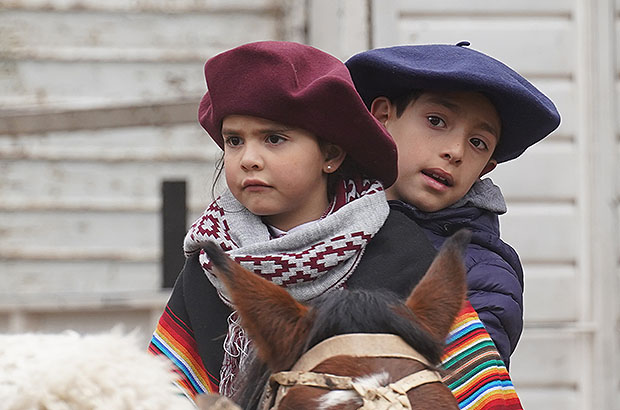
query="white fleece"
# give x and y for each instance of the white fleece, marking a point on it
(68, 371)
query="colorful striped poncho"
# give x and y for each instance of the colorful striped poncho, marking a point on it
(175, 340)
(476, 374)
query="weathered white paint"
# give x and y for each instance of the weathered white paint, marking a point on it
(542, 233)
(100, 185)
(68, 234)
(170, 6)
(92, 83)
(522, 180)
(92, 53)
(339, 27)
(550, 294)
(554, 367)
(79, 276)
(532, 8)
(84, 313)
(165, 143)
(533, 46)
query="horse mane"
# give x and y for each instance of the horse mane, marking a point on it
(370, 311)
(343, 312)
(249, 385)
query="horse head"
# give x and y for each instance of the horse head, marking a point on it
(349, 349)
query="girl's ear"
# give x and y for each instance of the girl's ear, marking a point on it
(334, 157)
(490, 166)
(381, 108)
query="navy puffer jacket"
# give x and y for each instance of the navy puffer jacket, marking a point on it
(494, 271)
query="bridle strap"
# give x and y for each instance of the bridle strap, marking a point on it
(333, 382)
(392, 396)
(414, 380)
(323, 380)
(358, 345)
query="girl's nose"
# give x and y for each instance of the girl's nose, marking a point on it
(251, 158)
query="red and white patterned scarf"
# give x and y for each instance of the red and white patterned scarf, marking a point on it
(308, 261)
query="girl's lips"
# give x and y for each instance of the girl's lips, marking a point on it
(254, 184)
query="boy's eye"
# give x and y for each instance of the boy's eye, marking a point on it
(436, 121)
(275, 139)
(478, 143)
(233, 141)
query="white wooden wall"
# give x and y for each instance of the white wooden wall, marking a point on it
(98, 105)
(79, 191)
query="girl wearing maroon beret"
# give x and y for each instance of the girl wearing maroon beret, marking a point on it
(306, 165)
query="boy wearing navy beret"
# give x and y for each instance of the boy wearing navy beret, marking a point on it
(455, 113)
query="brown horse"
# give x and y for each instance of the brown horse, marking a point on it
(348, 349)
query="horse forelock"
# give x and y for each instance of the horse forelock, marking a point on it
(362, 311)
(341, 397)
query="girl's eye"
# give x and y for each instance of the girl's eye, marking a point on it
(275, 139)
(233, 141)
(436, 121)
(478, 143)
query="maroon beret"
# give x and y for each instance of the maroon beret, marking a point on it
(300, 86)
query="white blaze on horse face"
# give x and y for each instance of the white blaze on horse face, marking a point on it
(341, 397)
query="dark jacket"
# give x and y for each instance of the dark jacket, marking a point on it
(494, 271)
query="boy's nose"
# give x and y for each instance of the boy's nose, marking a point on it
(251, 158)
(453, 153)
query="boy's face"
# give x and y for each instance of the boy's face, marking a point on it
(445, 141)
(276, 171)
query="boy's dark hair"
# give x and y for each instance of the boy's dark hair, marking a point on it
(402, 101)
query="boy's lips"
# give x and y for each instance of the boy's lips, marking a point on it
(439, 175)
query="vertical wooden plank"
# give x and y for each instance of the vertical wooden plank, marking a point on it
(174, 221)
(339, 27)
(294, 16)
(605, 253)
(384, 23)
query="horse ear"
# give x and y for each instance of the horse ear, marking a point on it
(439, 296)
(273, 319)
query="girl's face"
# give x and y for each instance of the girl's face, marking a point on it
(276, 171)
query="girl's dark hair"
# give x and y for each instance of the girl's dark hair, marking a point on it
(217, 174)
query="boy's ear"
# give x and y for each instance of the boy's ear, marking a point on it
(490, 166)
(334, 157)
(381, 108)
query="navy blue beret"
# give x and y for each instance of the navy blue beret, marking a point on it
(527, 115)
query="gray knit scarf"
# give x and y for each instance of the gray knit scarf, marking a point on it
(315, 258)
